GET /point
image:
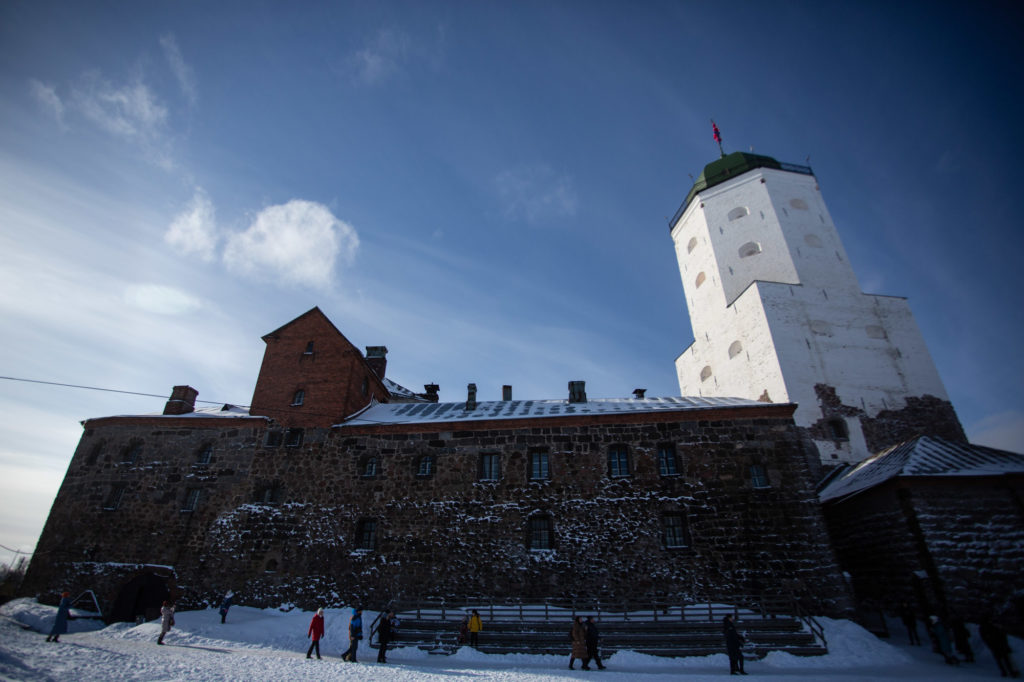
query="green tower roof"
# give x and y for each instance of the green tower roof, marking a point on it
(730, 166)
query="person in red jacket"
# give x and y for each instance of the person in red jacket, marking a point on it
(316, 633)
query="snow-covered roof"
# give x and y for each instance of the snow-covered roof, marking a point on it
(923, 456)
(220, 411)
(401, 391)
(421, 413)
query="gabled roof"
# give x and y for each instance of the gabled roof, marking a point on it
(923, 456)
(400, 391)
(315, 310)
(420, 413)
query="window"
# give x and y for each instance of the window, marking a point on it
(734, 349)
(758, 476)
(674, 532)
(618, 461)
(700, 279)
(205, 454)
(749, 249)
(705, 373)
(366, 534)
(132, 452)
(489, 467)
(366, 385)
(298, 398)
(667, 460)
(191, 500)
(271, 566)
(309, 349)
(540, 533)
(798, 204)
(113, 502)
(738, 213)
(539, 466)
(812, 240)
(837, 429)
(425, 467)
(274, 439)
(269, 493)
(691, 245)
(293, 438)
(874, 331)
(95, 453)
(368, 467)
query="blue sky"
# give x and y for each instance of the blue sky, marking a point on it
(482, 187)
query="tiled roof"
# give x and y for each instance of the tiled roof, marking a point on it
(417, 413)
(923, 456)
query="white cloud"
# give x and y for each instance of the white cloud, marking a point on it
(297, 242)
(382, 56)
(47, 96)
(130, 110)
(182, 71)
(536, 193)
(1004, 430)
(194, 230)
(164, 300)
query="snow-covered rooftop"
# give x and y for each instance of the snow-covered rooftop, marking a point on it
(421, 413)
(402, 391)
(923, 456)
(220, 411)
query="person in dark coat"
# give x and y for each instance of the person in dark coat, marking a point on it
(592, 638)
(166, 620)
(578, 637)
(464, 630)
(355, 633)
(60, 623)
(909, 622)
(733, 641)
(962, 639)
(225, 605)
(316, 633)
(384, 630)
(940, 635)
(995, 639)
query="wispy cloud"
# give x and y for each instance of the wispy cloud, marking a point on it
(131, 110)
(160, 299)
(385, 54)
(181, 70)
(194, 230)
(298, 243)
(48, 98)
(535, 194)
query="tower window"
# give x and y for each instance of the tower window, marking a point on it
(691, 245)
(749, 249)
(540, 533)
(837, 429)
(674, 531)
(813, 240)
(734, 349)
(738, 212)
(298, 398)
(700, 279)
(821, 328)
(705, 373)
(618, 461)
(798, 204)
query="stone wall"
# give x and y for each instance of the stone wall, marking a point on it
(280, 524)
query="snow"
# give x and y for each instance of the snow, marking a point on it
(270, 644)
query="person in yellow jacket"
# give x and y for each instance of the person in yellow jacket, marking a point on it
(475, 626)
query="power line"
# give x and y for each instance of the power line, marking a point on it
(111, 390)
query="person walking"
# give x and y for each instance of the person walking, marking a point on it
(166, 620)
(316, 633)
(475, 626)
(910, 623)
(355, 633)
(60, 623)
(225, 605)
(996, 641)
(384, 630)
(578, 635)
(733, 641)
(592, 638)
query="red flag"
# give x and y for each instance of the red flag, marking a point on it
(718, 134)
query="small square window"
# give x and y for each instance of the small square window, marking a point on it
(425, 468)
(113, 502)
(366, 534)
(674, 531)
(191, 500)
(618, 461)
(667, 460)
(274, 439)
(759, 476)
(490, 469)
(293, 438)
(539, 470)
(540, 534)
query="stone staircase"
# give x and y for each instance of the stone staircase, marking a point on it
(510, 630)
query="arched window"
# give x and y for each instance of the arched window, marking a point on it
(705, 373)
(309, 349)
(813, 240)
(700, 279)
(749, 249)
(798, 204)
(734, 349)
(298, 398)
(821, 328)
(691, 245)
(132, 452)
(205, 454)
(368, 467)
(738, 212)
(425, 466)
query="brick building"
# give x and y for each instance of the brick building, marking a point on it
(339, 485)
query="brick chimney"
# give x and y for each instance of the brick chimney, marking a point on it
(638, 393)
(377, 359)
(577, 391)
(506, 392)
(470, 397)
(431, 392)
(182, 400)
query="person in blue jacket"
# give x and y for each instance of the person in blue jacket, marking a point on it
(355, 633)
(60, 623)
(225, 605)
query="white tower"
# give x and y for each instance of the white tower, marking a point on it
(778, 315)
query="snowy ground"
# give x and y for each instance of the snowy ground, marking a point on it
(271, 645)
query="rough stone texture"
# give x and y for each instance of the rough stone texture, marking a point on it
(964, 535)
(280, 524)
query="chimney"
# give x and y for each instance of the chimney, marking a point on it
(577, 392)
(376, 358)
(470, 397)
(638, 393)
(182, 400)
(506, 392)
(431, 392)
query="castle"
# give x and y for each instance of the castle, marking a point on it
(338, 485)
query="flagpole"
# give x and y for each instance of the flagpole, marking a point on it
(718, 137)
